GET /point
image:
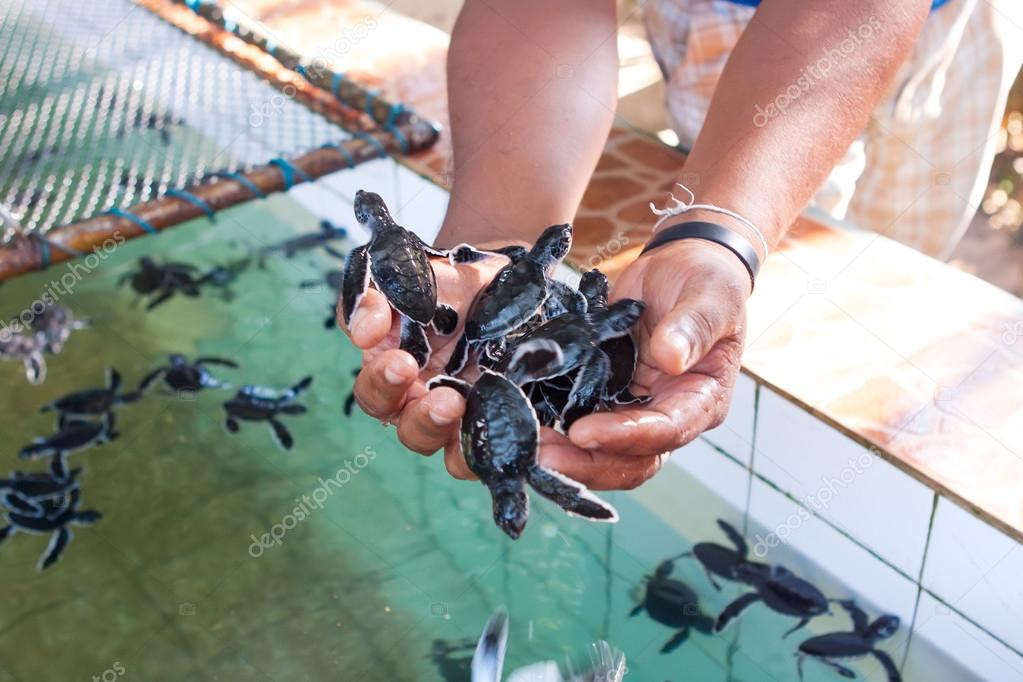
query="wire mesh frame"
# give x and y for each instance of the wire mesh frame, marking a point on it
(103, 106)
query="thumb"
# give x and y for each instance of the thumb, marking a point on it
(702, 315)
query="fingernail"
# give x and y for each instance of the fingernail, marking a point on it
(393, 376)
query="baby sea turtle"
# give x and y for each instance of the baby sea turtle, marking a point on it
(74, 434)
(93, 401)
(781, 591)
(500, 437)
(56, 324)
(718, 560)
(488, 659)
(327, 233)
(578, 338)
(514, 297)
(26, 492)
(396, 262)
(621, 350)
(57, 515)
(260, 404)
(182, 375)
(862, 641)
(26, 348)
(673, 603)
(162, 281)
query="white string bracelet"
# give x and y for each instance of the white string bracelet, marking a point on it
(681, 207)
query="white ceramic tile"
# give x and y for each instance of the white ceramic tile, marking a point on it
(735, 435)
(782, 531)
(378, 175)
(946, 646)
(421, 204)
(977, 570)
(715, 471)
(844, 482)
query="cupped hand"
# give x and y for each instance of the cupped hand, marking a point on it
(391, 387)
(690, 340)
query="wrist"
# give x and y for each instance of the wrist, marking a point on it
(724, 220)
(686, 254)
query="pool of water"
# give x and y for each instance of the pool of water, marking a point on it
(220, 556)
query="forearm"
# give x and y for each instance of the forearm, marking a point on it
(532, 89)
(766, 161)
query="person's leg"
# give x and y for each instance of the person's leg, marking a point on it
(929, 148)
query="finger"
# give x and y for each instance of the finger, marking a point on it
(383, 384)
(683, 408)
(429, 423)
(371, 321)
(455, 462)
(596, 470)
(700, 317)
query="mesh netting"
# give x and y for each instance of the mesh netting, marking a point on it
(103, 104)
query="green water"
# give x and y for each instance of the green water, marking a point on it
(166, 586)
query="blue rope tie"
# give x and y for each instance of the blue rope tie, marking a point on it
(340, 149)
(131, 217)
(373, 141)
(194, 200)
(243, 181)
(300, 69)
(371, 96)
(392, 115)
(335, 84)
(288, 172)
(230, 25)
(193, 4)
(400, 136)
(44, 253)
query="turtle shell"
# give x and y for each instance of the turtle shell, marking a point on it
(508, 302)
(670, 602)
(500, 431)
(402, 272)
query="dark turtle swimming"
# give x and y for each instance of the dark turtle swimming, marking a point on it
(162, 281)
(579, 336)
(260, 404)
(188, 376)
(396, 262)
(673, 603)
(58, 514)
(721, 561)
(26, 492)
(831, 648)
(327, 233)
(516, 295)
(74, 434)
(780, 590)
(93, 401)
(47, 332)
(500, 438)
(621, 350)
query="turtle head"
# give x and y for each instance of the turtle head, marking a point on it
(511, 507)
(371, 210)
(884, 627)
(593, 286)
(552, 245)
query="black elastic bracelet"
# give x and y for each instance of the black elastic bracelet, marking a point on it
(710, 232)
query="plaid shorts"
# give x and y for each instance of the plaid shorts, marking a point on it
(918, 171)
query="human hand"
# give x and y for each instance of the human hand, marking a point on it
(690, 340)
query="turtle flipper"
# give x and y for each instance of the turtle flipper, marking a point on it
(463, 387)
(618, 318)
(148, 380)
(563, 299)
(22, 505)
(488, 660)
(349, 404)
(570, 495)
(459, 357)
(414, 341)
(445, 320)
(59, 541)
(58, 467)
(6, 532)
(627, 397)
(231, 424)
(466, 253)
(281, 434)
(35, 368)
(86, 518)
(588, 389)
(354, 282)
(535, 360)
(676, 641)
(888, 664)
(734, 609)
(735, 537)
